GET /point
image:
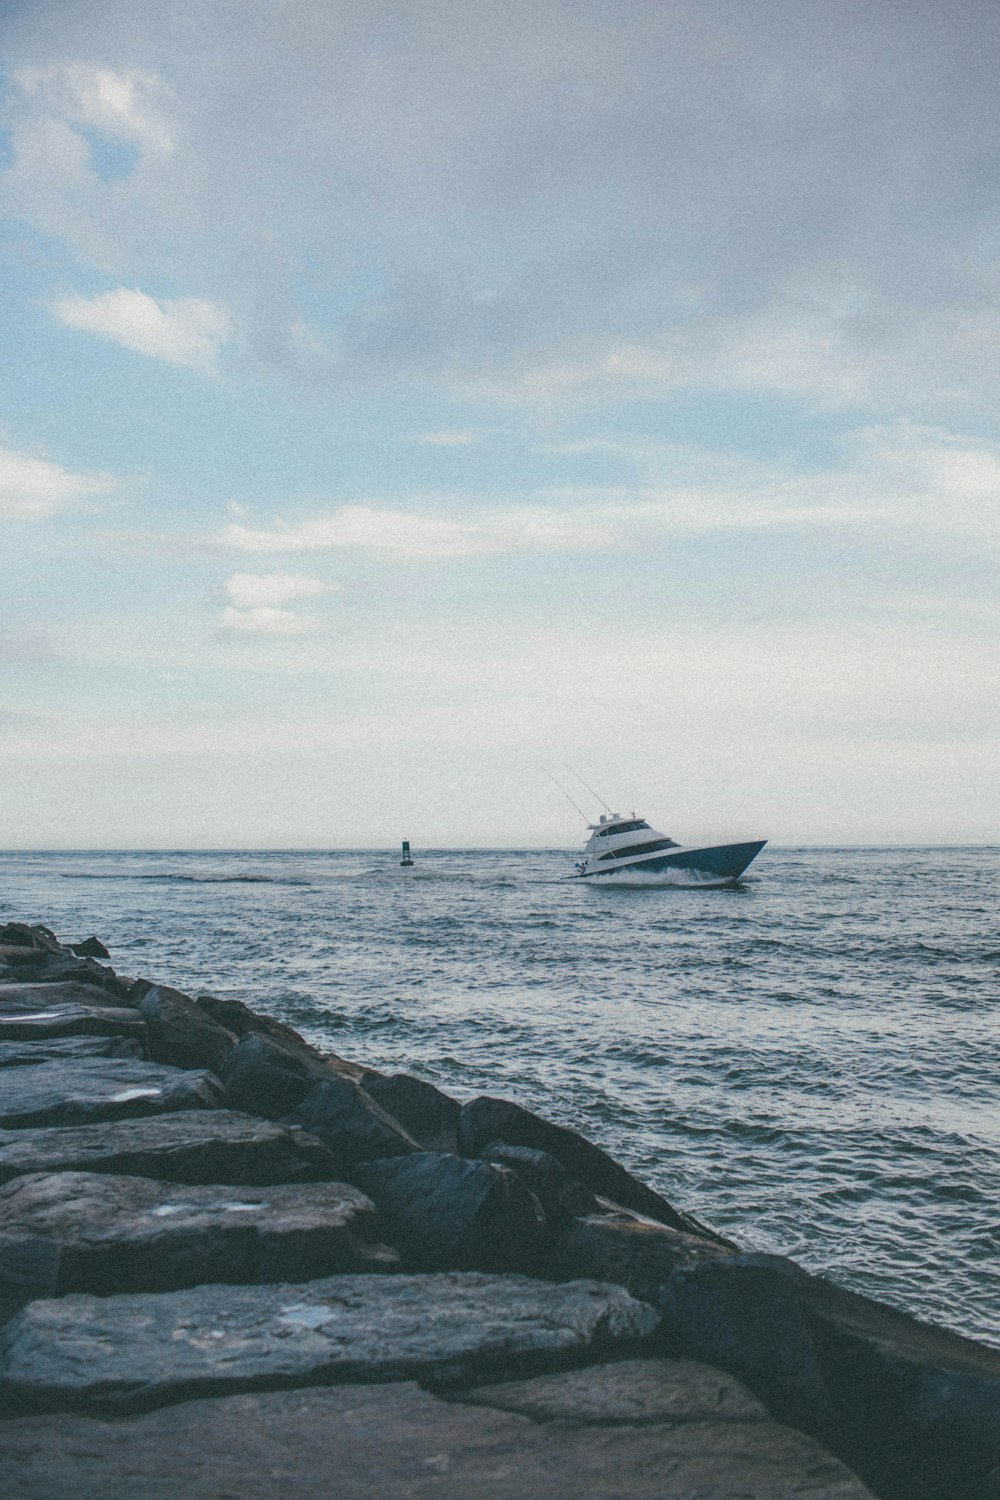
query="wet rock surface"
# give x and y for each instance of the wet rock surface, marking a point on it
(87, 1089)
(155, 1348)
(194, 1146)
(118, 1234)
(394, 1441)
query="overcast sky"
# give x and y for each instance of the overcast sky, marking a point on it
(400, 399)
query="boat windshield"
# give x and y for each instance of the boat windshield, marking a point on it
(602, 833)
(647, 848)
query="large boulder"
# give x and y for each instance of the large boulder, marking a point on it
(398, 1442)
(448, 1214)
(486, 1120)
(351, 1124)
(560, 1195)
(91, 947)
(267, 1078)
(914, 1408)
(21, 935)
(179, 1032)
(193, 1146)
(637, 1253)
(129, 1352)
(133, 1234)
(90, 1089)
(241, 1021)
(425, 1113)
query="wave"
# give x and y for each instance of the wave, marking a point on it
(175, 877)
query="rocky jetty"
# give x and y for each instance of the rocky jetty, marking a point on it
(231, 1264)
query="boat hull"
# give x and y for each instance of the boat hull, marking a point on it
(720, 864)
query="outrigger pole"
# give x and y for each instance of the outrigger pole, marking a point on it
(566, 794)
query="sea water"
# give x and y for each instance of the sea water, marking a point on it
(809, 1062)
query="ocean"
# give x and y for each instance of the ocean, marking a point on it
(809, 1063)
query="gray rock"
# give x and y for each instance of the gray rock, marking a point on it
(66, 968)
(156, 1347)
(447, 1214)
(485, 1120)
(397, 1442)
(133, 1234)
(637, 1253)
(38, 995)
(179, 1032)
(23, 1054)
(242, 1021)
(91, 947)
(914, 1408)
(90, 1089)
(559, 1194)
(425, 1113)
(13, 954)
(635, 1391)
(193, 1146)
(20, 934)
(352, 1125)
(267, 1077)
(20, 1022)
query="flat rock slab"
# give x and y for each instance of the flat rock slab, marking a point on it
(23, 1021)
(89, 1089)
(127, 1353)
(396, 1442)
(634, 1391)
(133, 1234)
(42, 996)
(194, 1146)
(59, 1049)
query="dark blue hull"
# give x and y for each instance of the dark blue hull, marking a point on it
(723, 863)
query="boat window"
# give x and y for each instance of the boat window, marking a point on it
(622, 828)
(649, 848)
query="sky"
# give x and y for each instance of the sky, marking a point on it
(402, 404)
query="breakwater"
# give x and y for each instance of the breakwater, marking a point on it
(227, 1255)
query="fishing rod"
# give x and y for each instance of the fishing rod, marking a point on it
(590, 789)
(569, 799)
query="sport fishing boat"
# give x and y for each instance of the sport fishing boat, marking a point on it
(629, 846)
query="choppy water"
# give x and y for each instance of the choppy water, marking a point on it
(809, 1063)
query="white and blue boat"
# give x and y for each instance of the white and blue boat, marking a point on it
(620, 847)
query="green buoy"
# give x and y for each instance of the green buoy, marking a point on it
(406, 860)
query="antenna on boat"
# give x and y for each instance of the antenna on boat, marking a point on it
(566, 794)
(590, 789)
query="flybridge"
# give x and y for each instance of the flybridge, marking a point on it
(614, 823)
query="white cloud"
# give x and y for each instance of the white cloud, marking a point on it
(262, 590)
(264, 620)
(126, 105)
(183, 331)
(398, 533)
(32, 489)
